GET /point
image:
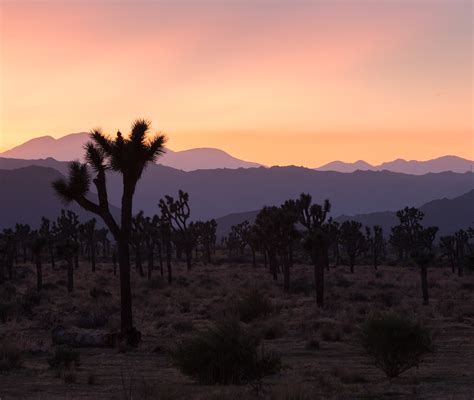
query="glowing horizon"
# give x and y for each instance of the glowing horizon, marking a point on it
(273, 83)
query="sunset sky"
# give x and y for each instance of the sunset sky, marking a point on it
(277, 82)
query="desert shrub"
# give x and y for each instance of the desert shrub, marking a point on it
(7, 292)
(388, 299)
(358, 296)
(342, 282)
(30, 299)
(181, 281)
(272, 329)
(156, 283)
(64, 358)
(69, 376)
(348, 377)
(302, 286)
(92, 319)
(183, 326)
(185, 306)
(467, 286)
(331, 333)
(313, 344)
(224, 354)
(395, 343)
(96, 293)
(253, 305)
(11, 356)
(91, 379)
(7, 312)
(49, 286)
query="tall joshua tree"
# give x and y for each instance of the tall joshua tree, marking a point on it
(129, 157)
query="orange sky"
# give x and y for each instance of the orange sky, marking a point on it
(276, 82)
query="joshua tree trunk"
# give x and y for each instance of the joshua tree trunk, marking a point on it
(286, 276)
(273, 264)
(114, 261)
(92, 251)
(168, 262)
(160, 258)
(70, 273)
(39, 272)
(125, 291)
(150, 260)
(76, 259)
(138, 260)
(352, 263)
(188, 258)
(51, 256)
(254, 259)
(424, 284)
(320, 261)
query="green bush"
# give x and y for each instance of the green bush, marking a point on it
(253, 305)
(64, 358)
(10, 356)
(224, 354)
(395, 343)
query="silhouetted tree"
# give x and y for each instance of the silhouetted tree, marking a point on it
(46, 231)
(138, 232)
(39, 243)
(447, 246)
(316, 242)
(353, 241)
(89, 233)
(129, 157)
(68, 247)
(417, 242)
(22, 234)
(177, 213)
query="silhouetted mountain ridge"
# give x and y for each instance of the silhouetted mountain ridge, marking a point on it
(440, 164)
(449, 214)
(70, 147)
(219, 192)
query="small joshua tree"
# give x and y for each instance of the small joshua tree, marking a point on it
(67, 225)
(353, 241)
(418, 241)
(177, 212)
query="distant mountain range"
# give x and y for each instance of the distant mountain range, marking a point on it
(448, 215)
(218, 192)
(70, 147)
(441, 164)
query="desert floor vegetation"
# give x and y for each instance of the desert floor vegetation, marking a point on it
(320, 352)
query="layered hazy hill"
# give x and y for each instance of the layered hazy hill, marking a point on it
(447, 214)
(70, 147)
(441, 164)
(26, 196)
(219, 192)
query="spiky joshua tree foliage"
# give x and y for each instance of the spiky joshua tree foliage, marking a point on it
(128, 157)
